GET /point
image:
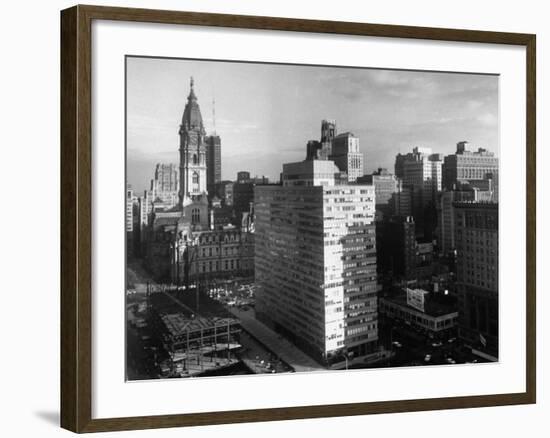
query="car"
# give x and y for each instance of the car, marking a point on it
(437, 344)
(451, 340)
(397, 344)
(450, 360)
(427, 358)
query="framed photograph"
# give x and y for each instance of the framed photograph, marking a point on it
(269, 218)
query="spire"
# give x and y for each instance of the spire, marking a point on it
(192, 118)
(192, 90)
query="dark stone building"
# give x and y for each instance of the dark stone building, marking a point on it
(476, 238)
(224, 191)
(243, 196)
(396, 244)
(213, 162)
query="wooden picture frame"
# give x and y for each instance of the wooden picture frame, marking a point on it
(76, 217)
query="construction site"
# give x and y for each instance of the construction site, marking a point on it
(196, 334)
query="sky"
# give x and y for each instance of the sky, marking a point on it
(266, 113)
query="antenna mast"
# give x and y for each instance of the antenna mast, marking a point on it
(214, 114)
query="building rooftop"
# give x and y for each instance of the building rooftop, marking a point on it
(435, 305)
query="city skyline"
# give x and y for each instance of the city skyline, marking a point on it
(331, 268)
(390, 111)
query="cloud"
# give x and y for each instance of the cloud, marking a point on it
(487, 119)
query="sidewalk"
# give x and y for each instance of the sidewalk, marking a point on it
(278, 345)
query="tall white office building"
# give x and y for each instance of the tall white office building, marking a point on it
(315, 260)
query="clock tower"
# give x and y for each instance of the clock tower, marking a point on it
(192, 152)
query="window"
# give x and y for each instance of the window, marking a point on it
(195, 216)
(195, 181)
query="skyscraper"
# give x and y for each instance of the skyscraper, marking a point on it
(421, 171)
(446, 212)
(347, 156)
(315, 261)
(397, 247)
(165, 186)
(387, 188)
(468, 166)
(213, 162)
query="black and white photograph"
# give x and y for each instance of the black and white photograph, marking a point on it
(286, 218)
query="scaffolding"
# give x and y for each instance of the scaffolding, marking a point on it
(194, 343)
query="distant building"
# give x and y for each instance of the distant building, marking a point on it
(476, 238)
(130, 219)
(145, 208)
(446, 212)
(396, 243)
(421, 171)
(314, 150)
(221, 216)
(328, 132)
(315, 261)
(310, 173)
(467, 166)
(260, 179)
(224, 191)
(165, 185)
(424, 261)
(164, 191)
(347, 155)
(403, 204)
(386, 188)
(213, 162)
(243, 196)
(243, 177)
(129, 208)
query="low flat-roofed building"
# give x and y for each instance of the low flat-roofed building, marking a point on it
(440, 313)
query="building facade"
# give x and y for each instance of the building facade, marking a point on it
(396, 239)
(446, 212)
(469, 166)
(387, 188)
(192, 153)
(224, 191)
(315, 262)
(421, 171)
(347, 155)
(165, 184)
(213, 162)
(476, 239)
